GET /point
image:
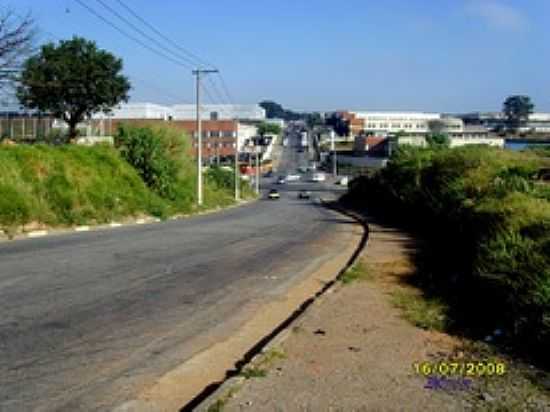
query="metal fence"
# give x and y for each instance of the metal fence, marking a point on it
(33, 128)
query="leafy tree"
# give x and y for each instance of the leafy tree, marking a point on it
(73, 80)
(517, 110)
(437, 126)
(268, 128)
(436, 140)
(314, 119)
(273, 110)
(276, 111)
(339, 124)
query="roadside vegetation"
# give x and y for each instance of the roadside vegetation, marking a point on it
(486, 219)
(359, 271)
(148, 172)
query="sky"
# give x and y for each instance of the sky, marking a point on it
(420, 55)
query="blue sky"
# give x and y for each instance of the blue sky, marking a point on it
(432, 55)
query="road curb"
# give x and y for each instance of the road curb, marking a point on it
(211, 395)
(114, 225)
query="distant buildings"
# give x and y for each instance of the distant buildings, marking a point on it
(494, 121)
(410, 124)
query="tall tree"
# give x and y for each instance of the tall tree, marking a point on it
(273, 110)
(276, 111)
(16, 40)
(340, 125)
(268, 128)
(517, 110)
(73, 80)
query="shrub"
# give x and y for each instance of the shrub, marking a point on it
(221, 178)
(488, 226)
(153, 153)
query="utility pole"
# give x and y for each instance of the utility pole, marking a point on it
(257, 170)
(237, 170)
(198, 73)
(333, 149)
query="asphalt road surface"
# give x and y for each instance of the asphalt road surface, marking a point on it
(89, 319)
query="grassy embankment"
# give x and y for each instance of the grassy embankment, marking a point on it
(149, 172)
(486, 220)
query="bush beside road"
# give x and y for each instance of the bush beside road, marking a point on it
(486, 219)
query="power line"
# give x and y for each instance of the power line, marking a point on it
(182, 49)
(124, 33)
(170, 57)
(153, 86)
(185, 61)
(216, 89)
(226, 89)
(166, 38)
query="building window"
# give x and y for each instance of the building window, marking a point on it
(213, 115)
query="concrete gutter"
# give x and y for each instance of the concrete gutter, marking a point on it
(234, 380)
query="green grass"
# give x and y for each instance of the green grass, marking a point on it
(254, 372)
(423, 312)
(60, 186)
(217, 406)
(261, 365)
(357, 272)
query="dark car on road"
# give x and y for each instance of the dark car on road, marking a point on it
(304, 194)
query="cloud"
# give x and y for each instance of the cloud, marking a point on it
(497, 14)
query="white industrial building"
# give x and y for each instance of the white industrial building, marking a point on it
(141, 111)
(186, 112)
(219, 112)
(410, 123)
(393, 122)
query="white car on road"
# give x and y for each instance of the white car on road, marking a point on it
(293, 178)
(318, 177)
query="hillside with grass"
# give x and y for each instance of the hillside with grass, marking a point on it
(485, 215)
(149, 172)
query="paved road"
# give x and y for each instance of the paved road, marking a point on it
(89, 319)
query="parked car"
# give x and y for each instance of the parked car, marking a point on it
(268, 174)
(304, 194)
(273, 195)
(318, 177)
(281, 180)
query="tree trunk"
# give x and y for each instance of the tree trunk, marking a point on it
(73, 131)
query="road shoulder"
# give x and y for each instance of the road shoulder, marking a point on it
(351, 350)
